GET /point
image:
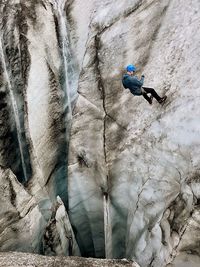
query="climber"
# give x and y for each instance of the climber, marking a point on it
(135, 86)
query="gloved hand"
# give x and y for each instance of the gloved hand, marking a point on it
(142, 76)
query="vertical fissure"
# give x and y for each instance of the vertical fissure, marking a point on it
(101, 88)
(68, 78)
(65, 54)
(107, 227)
(16, 61)
(106, 198)
(15, 111)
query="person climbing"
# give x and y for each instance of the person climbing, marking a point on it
(136, 87)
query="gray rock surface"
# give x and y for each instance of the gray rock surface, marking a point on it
(22, 220)
(140, 162)
(29, 225)
(59, 238)
(127, 172)
(25, 259)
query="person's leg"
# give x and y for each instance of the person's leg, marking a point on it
(147, 98)
(144, 94)
(153, 93)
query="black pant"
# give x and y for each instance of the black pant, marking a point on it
(152, 92)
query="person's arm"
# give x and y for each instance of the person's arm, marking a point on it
(142, 78)
(136, 82)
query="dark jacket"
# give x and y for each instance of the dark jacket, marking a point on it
(133, 84)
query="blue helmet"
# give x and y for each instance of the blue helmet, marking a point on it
(131, 68)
